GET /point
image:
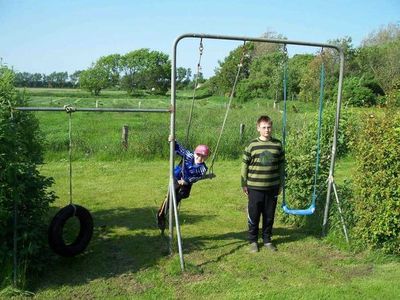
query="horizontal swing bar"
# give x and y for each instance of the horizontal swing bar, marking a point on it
(251, 39)
(75, 109)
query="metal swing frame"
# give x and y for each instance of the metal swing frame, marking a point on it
(330, 182)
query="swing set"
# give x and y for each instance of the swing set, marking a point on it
(84, 216)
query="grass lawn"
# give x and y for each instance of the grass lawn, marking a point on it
(127, 257)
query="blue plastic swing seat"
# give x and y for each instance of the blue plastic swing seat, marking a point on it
(300, 212)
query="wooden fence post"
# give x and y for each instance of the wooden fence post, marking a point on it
(125, 130)
(241, 131)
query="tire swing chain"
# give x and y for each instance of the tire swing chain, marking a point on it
(69, 110)
(55, 233)
(15, 211)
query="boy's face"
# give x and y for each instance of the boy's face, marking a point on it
(265, 130)
(198, 158)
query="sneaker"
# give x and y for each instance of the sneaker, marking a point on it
(253, 248)
(161, 221)
(270, 246)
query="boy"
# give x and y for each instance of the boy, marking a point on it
(261, 180)
(190, 170)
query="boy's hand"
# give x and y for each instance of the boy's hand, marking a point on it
(245, 190)
(182, 182)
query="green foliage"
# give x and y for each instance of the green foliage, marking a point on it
(112, 65)
(297, 68)
(356, 93)
(145, 69)
(346, 197)
(265, 78)
(225, 74)
(94, 80)
(24, 199)
(381, 61)
(377, 183)
(183, 76)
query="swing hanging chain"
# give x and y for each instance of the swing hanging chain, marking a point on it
(315, 193)
(284, 117)
(240, 65)
(15, 212)
(201, 48)
(320, 111)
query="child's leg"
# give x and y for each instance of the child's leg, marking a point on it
(255, 205)
(271, 199)
(164, 206)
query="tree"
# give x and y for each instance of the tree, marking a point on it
(183, 77)
(384, 35)
(382, 61)
(145, 69)
(297, 68)
(112, 65)
(74, 78)
(226, 73)
(94, 80)
(262, 48)
(22, 188)
(265, 77)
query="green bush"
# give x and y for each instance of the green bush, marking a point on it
(357, 93)
(23, 191)
(377, 183)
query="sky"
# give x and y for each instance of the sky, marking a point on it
(46, 36)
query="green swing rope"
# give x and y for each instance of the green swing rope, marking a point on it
(310, 210)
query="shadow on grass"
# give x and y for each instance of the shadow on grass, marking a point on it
(128, 240)
(231, 242)
(124, 240)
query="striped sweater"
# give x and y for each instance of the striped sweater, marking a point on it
(263, 165)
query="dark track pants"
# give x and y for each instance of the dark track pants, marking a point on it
(181, 191)
(261, 203)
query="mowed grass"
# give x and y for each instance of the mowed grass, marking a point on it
(128, 258)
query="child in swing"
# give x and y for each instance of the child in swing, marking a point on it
(191, 170)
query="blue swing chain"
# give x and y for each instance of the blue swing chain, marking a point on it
(311, 209)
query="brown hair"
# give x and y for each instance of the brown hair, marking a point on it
(265, 119)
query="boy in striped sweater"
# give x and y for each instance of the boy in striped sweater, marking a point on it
(261, 180)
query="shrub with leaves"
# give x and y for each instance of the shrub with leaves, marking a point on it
(24, 198)
(377, 183)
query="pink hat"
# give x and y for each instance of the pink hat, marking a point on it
(202, 150)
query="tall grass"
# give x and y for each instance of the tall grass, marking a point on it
(98, 135)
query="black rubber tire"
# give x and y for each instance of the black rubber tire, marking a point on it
(55, 233)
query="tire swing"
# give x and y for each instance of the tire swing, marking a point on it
(56, 227)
